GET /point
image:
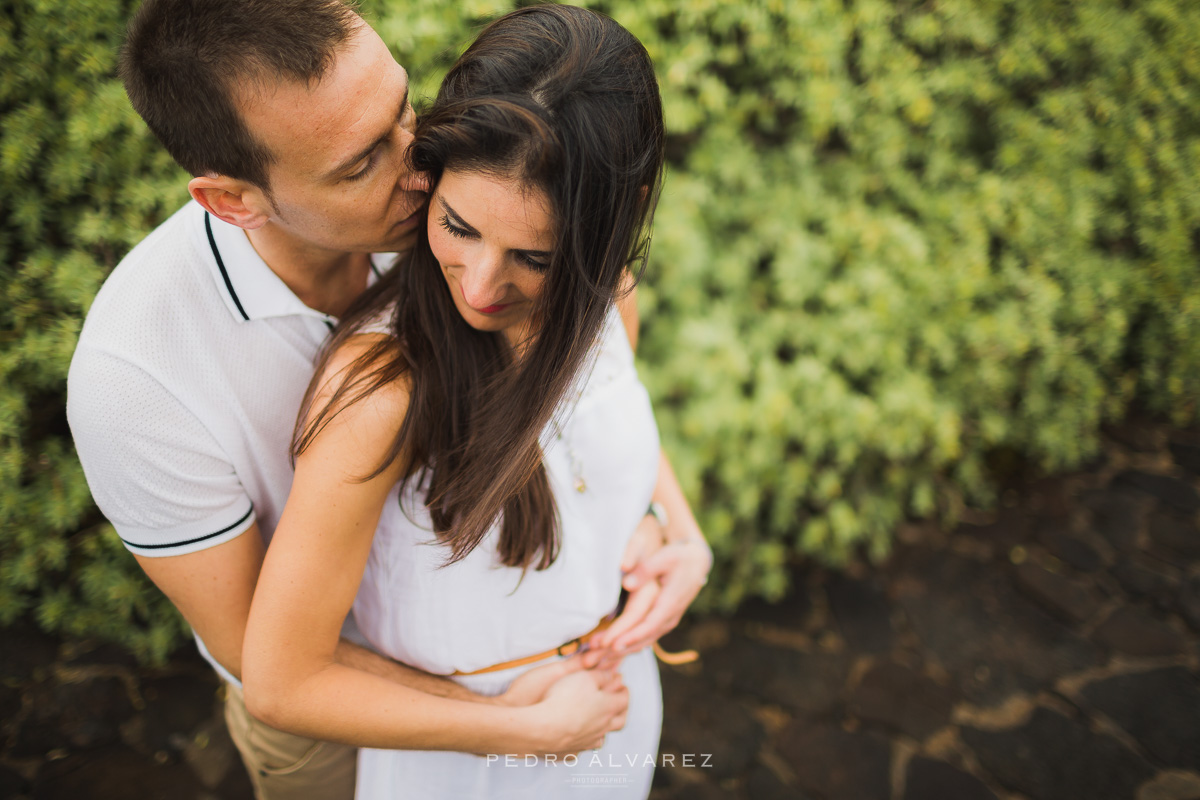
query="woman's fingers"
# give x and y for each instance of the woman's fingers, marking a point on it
(609, 680)
(530, 687)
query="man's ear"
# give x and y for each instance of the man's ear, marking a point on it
(233, 201)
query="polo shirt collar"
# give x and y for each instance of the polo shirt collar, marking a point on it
(251, 289)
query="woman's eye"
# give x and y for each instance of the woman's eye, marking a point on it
(533, 263)
(452, 229)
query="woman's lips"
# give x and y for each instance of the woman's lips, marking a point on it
(492, 309)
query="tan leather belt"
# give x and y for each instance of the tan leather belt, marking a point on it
(575, 645)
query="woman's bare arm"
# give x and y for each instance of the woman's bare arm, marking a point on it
(292, 677)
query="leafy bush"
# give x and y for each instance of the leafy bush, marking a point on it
(898, 240)
(81, 181)
(902, 239)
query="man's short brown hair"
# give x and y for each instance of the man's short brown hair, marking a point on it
(183, 60)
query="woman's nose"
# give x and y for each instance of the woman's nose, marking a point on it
(482, 283)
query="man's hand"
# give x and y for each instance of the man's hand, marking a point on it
(662, 582)
(663, 579)
(660, 590)
(647, 540)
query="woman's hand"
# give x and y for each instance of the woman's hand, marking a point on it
(581, 709)
(531, 686)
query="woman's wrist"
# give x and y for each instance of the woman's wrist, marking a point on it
(543, 730)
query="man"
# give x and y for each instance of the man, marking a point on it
(293, 118)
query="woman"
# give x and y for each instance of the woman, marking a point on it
(477, 446)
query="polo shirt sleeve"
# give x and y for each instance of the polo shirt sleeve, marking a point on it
(153, 468)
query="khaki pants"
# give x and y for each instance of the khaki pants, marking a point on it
(283, 766)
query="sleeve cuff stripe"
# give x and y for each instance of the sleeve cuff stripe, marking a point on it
(226, 529)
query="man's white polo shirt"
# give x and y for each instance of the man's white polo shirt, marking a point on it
(184, 388)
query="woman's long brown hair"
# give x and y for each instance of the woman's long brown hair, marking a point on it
(565, 100)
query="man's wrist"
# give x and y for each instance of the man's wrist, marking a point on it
(681, 533)
(694, 537)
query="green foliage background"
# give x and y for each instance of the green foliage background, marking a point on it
(899, 242)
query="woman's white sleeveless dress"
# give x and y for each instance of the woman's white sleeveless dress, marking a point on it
(476, 613)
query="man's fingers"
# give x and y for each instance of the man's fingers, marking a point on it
(661, 563)
(647, 538)
(672, 601)
(633, 554)
(669, 602)
(636, 607)
(646, 635)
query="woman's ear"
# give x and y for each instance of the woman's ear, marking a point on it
(230, 200)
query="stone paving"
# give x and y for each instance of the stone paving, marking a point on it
(1047, 651)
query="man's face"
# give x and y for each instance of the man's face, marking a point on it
(338, 180)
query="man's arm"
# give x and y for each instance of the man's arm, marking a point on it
(662, 586)
(662, 582)
(165, 482)
(213, 588)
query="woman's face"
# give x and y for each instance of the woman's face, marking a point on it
(492, 237)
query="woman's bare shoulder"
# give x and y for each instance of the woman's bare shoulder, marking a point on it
(362, 397)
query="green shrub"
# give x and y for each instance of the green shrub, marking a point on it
(904, 239)
(901, 239)
(898, 240)
(81, 181)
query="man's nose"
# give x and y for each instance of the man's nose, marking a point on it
(413, 181)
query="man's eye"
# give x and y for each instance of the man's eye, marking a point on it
(366, 170)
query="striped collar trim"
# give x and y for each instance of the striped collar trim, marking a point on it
(250, 288)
